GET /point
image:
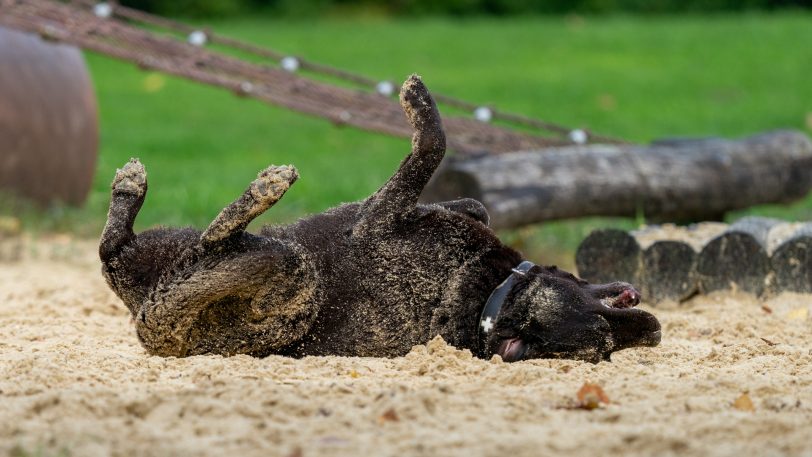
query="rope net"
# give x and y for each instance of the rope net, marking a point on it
(175, 48)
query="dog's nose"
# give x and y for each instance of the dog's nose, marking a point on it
(631, 327)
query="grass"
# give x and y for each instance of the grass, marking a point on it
(636, 78)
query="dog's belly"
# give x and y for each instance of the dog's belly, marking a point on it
(379, 292)
(378, 316)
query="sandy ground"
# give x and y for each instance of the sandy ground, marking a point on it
(733, 377)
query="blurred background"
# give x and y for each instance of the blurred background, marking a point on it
(212, 8)
(633, 69)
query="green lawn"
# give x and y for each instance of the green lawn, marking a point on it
(632, 77)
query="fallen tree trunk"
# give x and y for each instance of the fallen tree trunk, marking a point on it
(677, 180)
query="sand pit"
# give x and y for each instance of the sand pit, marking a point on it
(733, 377)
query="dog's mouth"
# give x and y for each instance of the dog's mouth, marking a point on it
(512, 349)
(628, 326)
(628, 297)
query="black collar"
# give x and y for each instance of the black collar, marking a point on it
(490, 313)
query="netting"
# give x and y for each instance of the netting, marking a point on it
(174, 48)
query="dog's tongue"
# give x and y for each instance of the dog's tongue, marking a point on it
(511, 349)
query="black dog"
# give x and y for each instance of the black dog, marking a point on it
(372, 278)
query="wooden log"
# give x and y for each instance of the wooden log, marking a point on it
(791, 259)
(666, 262)
(683, 180)
(659, 260)
(738, 258)
(668, 271)
(608, 255)
(669, 257)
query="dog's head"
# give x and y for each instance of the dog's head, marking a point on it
(549, 313)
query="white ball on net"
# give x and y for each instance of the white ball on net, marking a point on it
(385, 88)
(290, 63)
(197, 38)
(578, 136)
(483, 114)
(103, 10)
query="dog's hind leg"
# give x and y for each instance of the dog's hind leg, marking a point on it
(129, 190)
(270, 185)
(400, 193)
(232, 293)
(250, 302)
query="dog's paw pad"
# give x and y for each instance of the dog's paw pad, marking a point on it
(131, 178)
(415, 100)
(273, 182)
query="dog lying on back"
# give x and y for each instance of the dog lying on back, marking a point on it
(371, 278)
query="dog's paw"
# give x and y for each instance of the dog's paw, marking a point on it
(417, 102)
(272, 183)
(131, 179)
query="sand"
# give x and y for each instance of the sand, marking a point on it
(732, 377)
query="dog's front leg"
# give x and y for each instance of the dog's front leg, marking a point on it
(230, 295)
(270, 185)
(252, 302)
(399, 195)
